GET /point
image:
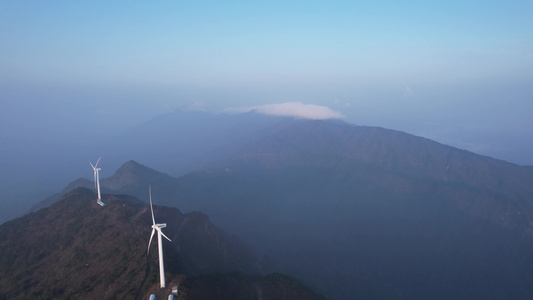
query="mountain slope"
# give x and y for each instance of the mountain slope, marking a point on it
(390, 150)
(78, 249)
(80, 182)
(134, 175)
(66, 251)
(351, 236)
(374, 213)
(185, 140)
(368, 212)
(239, 286)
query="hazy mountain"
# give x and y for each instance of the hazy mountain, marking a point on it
(80, 182)
(365, 212)
(174, 143)
(240, 286)
(133, 175)
(185, 140)
(369, 212)
(375, 213)
(131, 178)
(78, 249)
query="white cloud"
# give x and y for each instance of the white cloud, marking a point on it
(292, 109)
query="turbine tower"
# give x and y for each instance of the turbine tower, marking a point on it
(97, 181)
(157, 227)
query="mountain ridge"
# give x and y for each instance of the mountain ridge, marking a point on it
(375, 187)
(384, 147)
(78, 249)
(347, 209)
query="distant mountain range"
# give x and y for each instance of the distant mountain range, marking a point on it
(76, 249)
(183, 141)
(364, 212)
(175, 143)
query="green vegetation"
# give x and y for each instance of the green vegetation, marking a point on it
(77, 249)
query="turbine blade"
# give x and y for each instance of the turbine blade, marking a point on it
(95, 186)
(151, 209)
(150, 242)
(165, 236)
(96, 165)
(92, 165)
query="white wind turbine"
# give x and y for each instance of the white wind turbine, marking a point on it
(159, 241)
(97, 181)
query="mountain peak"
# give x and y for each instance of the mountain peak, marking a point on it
(134, 174)
(130, 166)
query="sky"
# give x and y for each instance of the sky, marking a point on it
(458, 72)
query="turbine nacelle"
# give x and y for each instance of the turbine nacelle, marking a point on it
(159, 226)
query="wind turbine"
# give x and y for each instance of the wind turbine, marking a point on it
(97, 181)
(157, 227)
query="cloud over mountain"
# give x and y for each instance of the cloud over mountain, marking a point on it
(292, 109)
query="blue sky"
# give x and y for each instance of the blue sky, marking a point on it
(459, 72)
